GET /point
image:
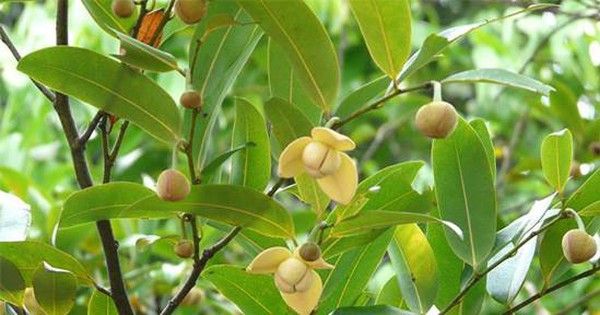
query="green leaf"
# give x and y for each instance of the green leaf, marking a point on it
(101, 304)
(369, 221)
(369, 310)
(102, 13)
(335, 246)
(235, 205)
(415, 266)
(216, 163)
(15, 218)
(586, 199)
(108, 85)
(253, 294)
(12, 284)
(563, 104)
(386, 28)
(557, 154)
(465, 192)
(55, 289)
(38, 253)
(502, 77)
(434, 44)
(143, 56)
(101, 202)
(390, 293)
(353, 269)
(361, 96)
(293, 26)
(220, 58)
(284, 84)
(251, 167)
(484, 135)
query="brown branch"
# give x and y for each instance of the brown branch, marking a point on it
(85, 137)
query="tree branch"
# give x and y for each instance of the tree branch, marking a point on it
(90, 129)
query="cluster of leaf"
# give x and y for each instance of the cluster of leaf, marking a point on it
(389, 251)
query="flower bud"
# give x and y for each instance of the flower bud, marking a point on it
(578, 246)
(310, 252)
(293, 276)
(320, 160)
(190, 11)
(172, 185)
(123, 8)
(436, 120)
(184, 249)
(190, 99)
(595, 148)
(575, 170)
(194, 297)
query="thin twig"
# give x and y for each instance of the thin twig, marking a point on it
(165, 19)
(276, 187)
(579, 302)
(189, 148)
(91, 127)
(138, 24)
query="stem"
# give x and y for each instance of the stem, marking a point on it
(276, 187)
(437, 91)
(553, 288)
(189, 148)
(380, 102)
(165, 19)
(90, 129)
(138, 24)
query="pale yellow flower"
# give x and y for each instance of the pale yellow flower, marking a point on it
(322, 157)
(296, 278)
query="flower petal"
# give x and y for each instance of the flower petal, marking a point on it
(304, 302)
(290, 160)
(268, 260)
(319, 264)
(341, 185)
(332, 138)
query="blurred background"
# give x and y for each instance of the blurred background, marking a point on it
(559, 46)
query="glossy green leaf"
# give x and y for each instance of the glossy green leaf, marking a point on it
(557, 154)
(465, 192)
(386, 28)
(361, 96)
(101, 202)
(253, 294)
(102, 13)
(235, 205)
(15, 218)
(563, 104)
(251, 167)
(390, 293)
(484, 135)
(586, 199)
(108, 85)
(353, 269)
(369, 310)
(415, 266)
(211, 168)
(36, 254)
(284, 84)
(55, 289)
(220, 58)
(143, 56)
(502, 77)
(336, 246)
(293, 26)
(12, 284)
(101, 304)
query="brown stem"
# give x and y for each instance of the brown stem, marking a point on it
(91, 127)
(189, 148)
(165, 19)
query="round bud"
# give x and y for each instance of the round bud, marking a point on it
(595, 148)
(575, 170)
(184, 249)
(578, 246)
(310, 252)
(436, 120)
(190, 99)
(190, 11)
(292, 270)
(172, 185)
(194, 297)
(320, 160)
(123, 8)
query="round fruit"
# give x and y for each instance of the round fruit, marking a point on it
(184, 249)
(310, 252)
(436, 120)
(195, 296)
(123, 8)
(578, 246)
(190, 11)
(190, 99)
(172, 185)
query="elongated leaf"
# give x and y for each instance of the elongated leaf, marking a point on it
(502, 77)
(436, 43)
(378, 219)
(101, 304)
(415, 266)
(101, 202)
(108, 85)
(368, 310)
(586, 199)
(253, 294)
(102, 13)
(220, 58)
(557, 154)
(465, 192)
(38, 253)
(235, 205)
(12, 284)
(143, 56)
(386, 28)
(361, 96)
(252, 167)
(336, 246)
(15, 218)
(293, 26)
(390, 293)
(563, 104)
(211, 168)
(54, 289)
(483, 133)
